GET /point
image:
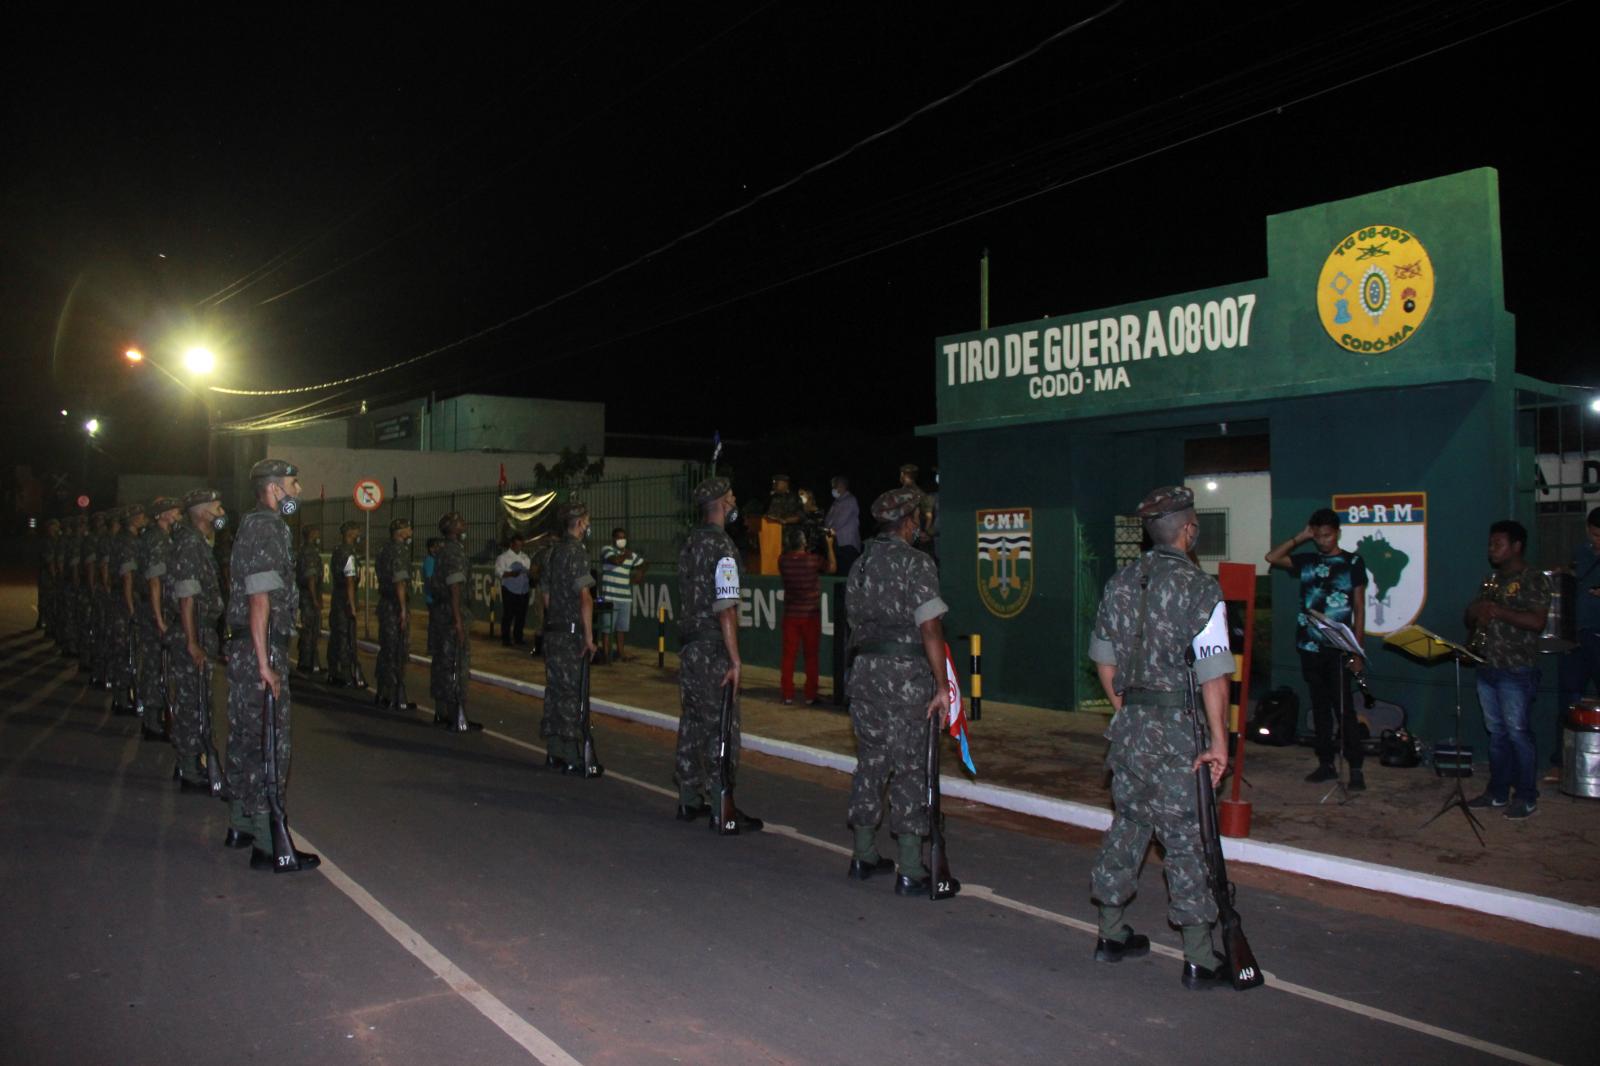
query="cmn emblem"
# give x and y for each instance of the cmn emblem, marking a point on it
(1005, 560)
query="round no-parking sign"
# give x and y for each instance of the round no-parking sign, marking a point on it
(368, 494)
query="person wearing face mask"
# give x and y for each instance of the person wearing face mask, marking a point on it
(261, 602)
(447, 628)
(394, 616)
(620, 570)
(155, 627)
(567, 589)
(342, 569)
(193, 595)
(844, 520)
(308, 579)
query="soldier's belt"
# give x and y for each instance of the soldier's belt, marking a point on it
(892, 649)
(1151, 697)
(693, 635)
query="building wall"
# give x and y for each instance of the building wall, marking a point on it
(1246, 500)
(513, 424)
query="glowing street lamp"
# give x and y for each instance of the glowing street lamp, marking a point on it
(92, 427)
(133, 355)
(199, 360)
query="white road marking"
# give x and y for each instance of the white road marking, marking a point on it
(989, 895)
(532, 1040)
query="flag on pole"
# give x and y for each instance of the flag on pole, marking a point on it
(716, 448)
(958, 714)
(502, 477)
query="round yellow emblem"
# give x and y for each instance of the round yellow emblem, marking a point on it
(1375, 289)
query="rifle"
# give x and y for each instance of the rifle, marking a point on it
(1243, 970)
(213, 768)
(940, 884)
(284, 859)
(461, 723)
(590, 765)
(727, 814)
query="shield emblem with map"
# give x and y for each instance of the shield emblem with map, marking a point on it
(1389, 530)
(1005, 560)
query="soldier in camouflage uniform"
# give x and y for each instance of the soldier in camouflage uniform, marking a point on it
(192, 593)
(155, 624)
(394, 616)
(71, 559)
(342, 571)
(447, 629)
(48, 582)
(108, 588)
(121, 638)
(89, 645)
(708, 655)
(308, 579)
(566, 590)
(261, 602)
(1155, 613)
(895, 687)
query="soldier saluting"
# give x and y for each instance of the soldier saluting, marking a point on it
(896, 685)
(261, 601)
(566, 587)
(708, 654)
(1154, 612)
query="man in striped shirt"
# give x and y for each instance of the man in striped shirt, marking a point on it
(802, 602)
(619, 570)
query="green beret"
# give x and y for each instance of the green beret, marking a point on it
(896, 504)
(274, 468)
(160, 506)
(712, 488)
(397, 524)
(345, 527)
(196, 497)
(571, 511)
(1169, 499)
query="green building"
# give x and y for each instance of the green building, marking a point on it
(1372, 370)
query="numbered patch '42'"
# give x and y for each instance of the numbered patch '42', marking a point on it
(1005, 560)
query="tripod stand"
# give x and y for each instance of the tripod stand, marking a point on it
(1458, 795)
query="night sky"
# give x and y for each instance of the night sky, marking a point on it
(318, 199)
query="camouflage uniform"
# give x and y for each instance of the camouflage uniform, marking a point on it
(709, 577)
(564, 578)
(191, 575)
(892, 590)
(75, 590)
(47, 576)
(1150, 615)
(124, 561)
(91, 652)
(152, 560)
(394, 639)
(308, 579)
(452, 659)
(341, 617)
(262, 562)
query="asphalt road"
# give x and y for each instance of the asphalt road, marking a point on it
(474, 907)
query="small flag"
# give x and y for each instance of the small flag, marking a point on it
(502, 477)
(958, 714)
(716, 449)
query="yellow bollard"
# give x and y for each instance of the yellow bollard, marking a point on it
(977, 678)
(661, 636)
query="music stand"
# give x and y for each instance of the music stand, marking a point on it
(1430, 647)
(1338, 636)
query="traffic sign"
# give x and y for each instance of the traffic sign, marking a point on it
(369, 494)
(83, 503)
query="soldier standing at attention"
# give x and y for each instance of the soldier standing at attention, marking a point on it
(195, 595)
(566, 588)
(124, 569)
(49, 576)
(896, 685)
(72, 558)
(308, 578)
(261, 601)
(1155, 612)
(156, 632)
(394, 616)
(447, 629)
(342, 667)
(94, 552)
(708, 656)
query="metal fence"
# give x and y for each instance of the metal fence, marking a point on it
(657, 512)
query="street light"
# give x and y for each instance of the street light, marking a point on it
(133, 355)
(92, 427)
(199, 360)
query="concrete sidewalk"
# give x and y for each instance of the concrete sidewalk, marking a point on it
(1059, 756)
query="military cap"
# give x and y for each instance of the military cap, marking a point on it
(397, 524)
(445, 520)
(712, 488)
(345, 527)
(56, 522)
(780, 477)
(309, 531)
(132, 511)
(896, 504)
(161, 505)
(571, 511)
(909, 468)
(1169, 499)
(274, 468)
(195, 497)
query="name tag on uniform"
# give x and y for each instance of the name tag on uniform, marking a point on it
(727, 579)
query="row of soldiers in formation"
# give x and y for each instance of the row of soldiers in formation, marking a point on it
(92, 601)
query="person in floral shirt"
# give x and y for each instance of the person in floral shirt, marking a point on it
(1333, 581)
